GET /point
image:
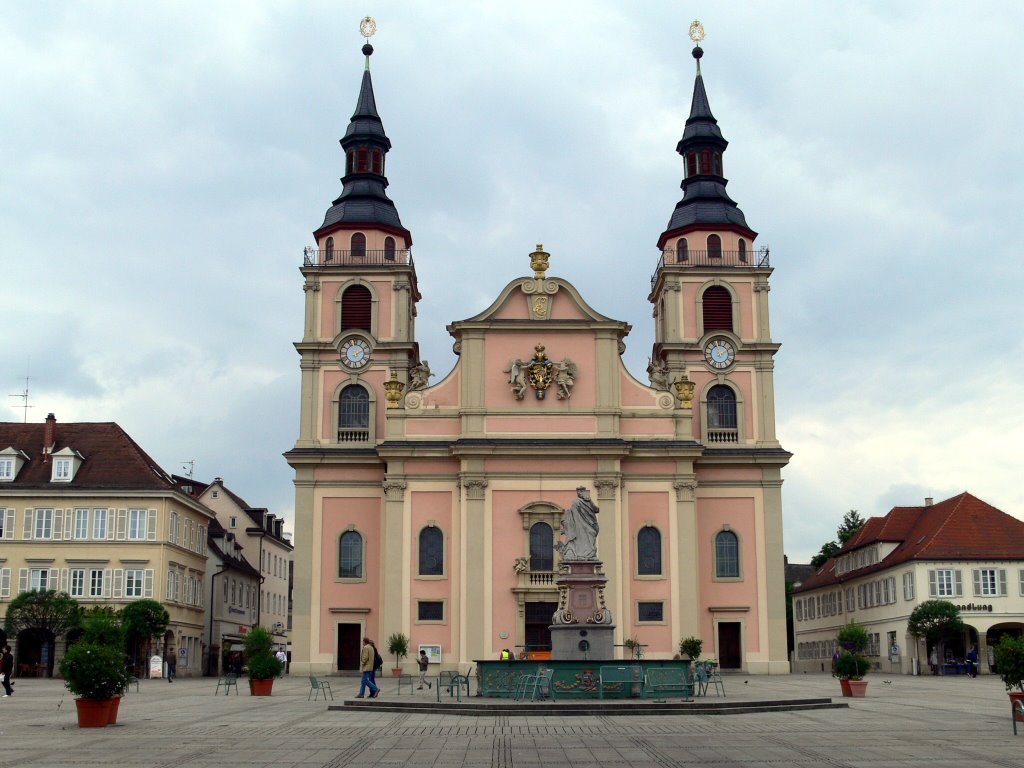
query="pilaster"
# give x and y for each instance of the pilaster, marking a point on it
(392, 564)
(687, 582)
(476, 582)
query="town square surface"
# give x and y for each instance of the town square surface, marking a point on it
(910, 721)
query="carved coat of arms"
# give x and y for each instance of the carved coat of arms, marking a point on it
(540, 372)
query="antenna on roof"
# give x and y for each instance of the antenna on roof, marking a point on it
(24, 399)
(189, 468)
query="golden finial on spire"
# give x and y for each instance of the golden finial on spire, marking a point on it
(539, 261)
(368, 27)
(696, 32)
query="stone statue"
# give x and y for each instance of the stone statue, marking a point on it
(521, 564)
(516, 370)
(579, 527)
(657, 372)
(419, 376)
(565, 378)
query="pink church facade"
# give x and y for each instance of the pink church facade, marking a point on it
(432, 508)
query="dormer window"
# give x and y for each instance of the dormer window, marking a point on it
(65, 464)
(11, 462)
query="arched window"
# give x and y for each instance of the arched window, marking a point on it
(705, 161)
(354, 415)
(377, 164)
(542, 552)
(350, 161)
(727, 555)
(717, 309)
(714, 247)
(691, 164)
(716, 164)
(682, 250)
(356, 306)
(329, 249)
(721, 408)
(350, 556)
(389, 249)
(742, 245)
(431, 551)
(648, 551)
(362, 160)
(359, 244)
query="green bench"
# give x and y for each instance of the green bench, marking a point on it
(616, 680)
(668, 681)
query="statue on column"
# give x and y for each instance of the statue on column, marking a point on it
(579, 527)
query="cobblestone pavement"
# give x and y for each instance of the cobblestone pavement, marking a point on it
(906, 722)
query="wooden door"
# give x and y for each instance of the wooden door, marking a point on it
(730, 652)
(349, 645)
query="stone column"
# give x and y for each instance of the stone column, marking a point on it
(686, 589)
(474, 612)
(392, 561)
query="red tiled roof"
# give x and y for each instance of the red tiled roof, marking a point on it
(960, 528)
(112, 460)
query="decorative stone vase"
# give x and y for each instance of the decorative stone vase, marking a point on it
(93, 713)
(261, 687)
(115, 704)
(858, 688)
(1016, 696)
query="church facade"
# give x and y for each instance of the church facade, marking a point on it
(433, 508)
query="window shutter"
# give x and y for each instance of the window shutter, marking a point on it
(63, 580)
(9, 525)
(111, 524)
(1002, 581)
(5, 582)
(118, 583)
(122, 524)
(26, 532)
(932, 587)
(58, 520)
(70, 522)
(51, 581)
(170, 526)
(147, 584)
(959, 591)
(977, 581)
(151, 526)
(108, 581)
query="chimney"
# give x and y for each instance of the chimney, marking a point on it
(49, 433)
(928, 501)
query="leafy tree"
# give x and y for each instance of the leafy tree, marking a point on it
(851, 523)
(828, 549)
(143, 621)
(45, 612)
(938, 621)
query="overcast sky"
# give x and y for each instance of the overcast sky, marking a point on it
(162, 166)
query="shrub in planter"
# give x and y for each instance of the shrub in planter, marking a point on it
(94, 671)
(262, 663)
(852, 666)
(1010, 667)
(264, 667)
(691, 647)
(853, 637)
(398, 645)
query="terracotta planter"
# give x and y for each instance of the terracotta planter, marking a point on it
(396, 671)
(858, 688)
(93, 713)
(844, 684)
(261, 687)
(1016, 696)
(115, 704)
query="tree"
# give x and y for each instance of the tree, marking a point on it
(143, 620)
(938, 621)
(851, 523)
(45, 612)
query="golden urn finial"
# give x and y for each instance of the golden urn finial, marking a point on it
(684, 392)
(393, 390)
(539, 261)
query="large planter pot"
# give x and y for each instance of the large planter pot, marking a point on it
(396, 671)
(844, 684)
(858, 688)
(115, 704)
(261, 687)
(93, 713)
(1016, 696)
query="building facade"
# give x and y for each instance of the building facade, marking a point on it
(84, 510)
(961, 550)
(233, 585)
(433, 508)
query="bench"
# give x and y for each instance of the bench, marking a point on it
(615, 680)
(453, 682)
(229, 681)
(320, 686)
(666, 681)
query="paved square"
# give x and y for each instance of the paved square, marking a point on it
(924, 721)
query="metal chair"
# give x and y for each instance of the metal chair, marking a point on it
(1016, 707)
(229, 681)
(318, 686)
(532, 684)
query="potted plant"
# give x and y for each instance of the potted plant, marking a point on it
(398, 644)
(95, 673)
(263, 665)
(851, 666)
(1010, 667)
(691, 647)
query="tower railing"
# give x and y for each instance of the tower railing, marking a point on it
(321, 257)
(758, 259)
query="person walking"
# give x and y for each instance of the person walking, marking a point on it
(172, 667)
(424, 662)
(6, 669)
(366, 657)
(972, 661)
(283, 658)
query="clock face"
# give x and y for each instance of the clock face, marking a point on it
(719, 353)
(355, 353)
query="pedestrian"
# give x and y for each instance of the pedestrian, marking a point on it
(835, 659)
(172, 666)
(933, 661)
(366, 658)
(378, 663)
(972, 661)
(6, 669)
(424, 662)
(283, 658)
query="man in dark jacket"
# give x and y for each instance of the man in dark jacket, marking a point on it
(6, 669)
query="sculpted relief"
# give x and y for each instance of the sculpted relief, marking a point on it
(540, 373)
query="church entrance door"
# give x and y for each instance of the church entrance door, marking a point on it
(349, 645)
(538, 621)
(730, 655)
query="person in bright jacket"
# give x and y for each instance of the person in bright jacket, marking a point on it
(366, 667)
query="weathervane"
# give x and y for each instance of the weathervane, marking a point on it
(696, 32)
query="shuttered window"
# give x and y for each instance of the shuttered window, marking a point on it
(717, 303)
(356, 304)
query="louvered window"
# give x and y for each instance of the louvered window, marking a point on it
(431, 552)
(378, 163)
(356, 305)
(648, 551)
(742, 247)
(359, 244)
(389, 249)
(691, 164)
(350, 161)
(717, 167)
(717, 303)
(714, 247)
(330, 249)
(682, 250)
(705, 161)
(354, 415)
(542, 551)
(363, 160)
